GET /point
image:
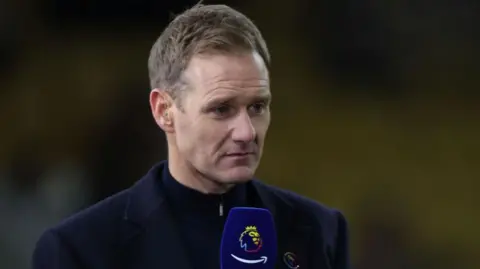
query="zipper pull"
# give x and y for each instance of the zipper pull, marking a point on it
(220, 207)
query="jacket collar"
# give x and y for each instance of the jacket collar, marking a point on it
(147, 211)
(147, 195)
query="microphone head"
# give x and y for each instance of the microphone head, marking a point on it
(249, 239)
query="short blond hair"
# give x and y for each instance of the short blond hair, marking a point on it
(201, 29)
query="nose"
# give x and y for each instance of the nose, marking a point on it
(243, 130)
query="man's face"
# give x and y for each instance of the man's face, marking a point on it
(225, 115)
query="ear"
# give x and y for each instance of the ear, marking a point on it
(161, 107)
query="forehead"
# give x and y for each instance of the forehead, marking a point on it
(213, 74)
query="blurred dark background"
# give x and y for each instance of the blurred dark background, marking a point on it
(376, 112)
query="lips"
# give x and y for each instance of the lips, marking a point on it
(239, 154)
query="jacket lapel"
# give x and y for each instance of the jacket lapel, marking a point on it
(293, 248)
(151, 239)
(157, 245)
(293, 238)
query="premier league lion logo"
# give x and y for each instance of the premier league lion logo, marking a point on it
(250, 239)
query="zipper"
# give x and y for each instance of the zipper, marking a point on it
(220, 206)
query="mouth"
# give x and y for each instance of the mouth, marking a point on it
(239, 154)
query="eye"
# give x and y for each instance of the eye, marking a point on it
(221, 110)
(258, 108)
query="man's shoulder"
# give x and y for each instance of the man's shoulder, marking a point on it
(99, 221)
(90, 235)
(108, 210)
(304, 208)
(327, 225)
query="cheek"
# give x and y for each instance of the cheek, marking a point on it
(210, 133)
(261, 126)
(199, 137)
(184, 133)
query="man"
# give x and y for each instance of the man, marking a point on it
(210, 95)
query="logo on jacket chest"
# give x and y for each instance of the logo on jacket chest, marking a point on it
(290, 260)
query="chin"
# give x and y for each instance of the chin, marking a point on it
(237, 175)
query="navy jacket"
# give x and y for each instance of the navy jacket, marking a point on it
(134, 229)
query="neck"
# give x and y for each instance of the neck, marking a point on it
(186, 174)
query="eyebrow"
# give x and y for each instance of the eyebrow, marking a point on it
(261, 96)
(264, 96)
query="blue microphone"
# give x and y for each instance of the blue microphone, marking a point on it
(249, 239)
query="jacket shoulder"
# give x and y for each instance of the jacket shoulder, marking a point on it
(301, 204)
(97, 216)
(90, 235)
(328, 221)
(329, 225)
